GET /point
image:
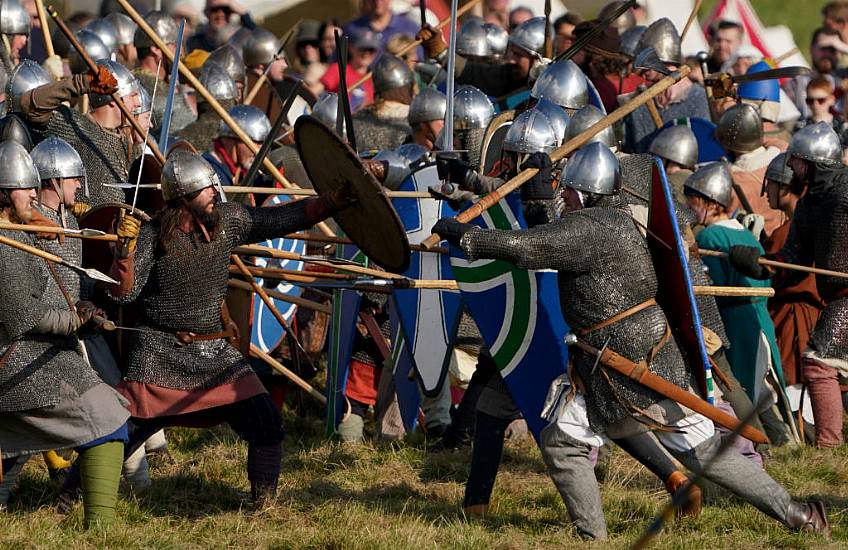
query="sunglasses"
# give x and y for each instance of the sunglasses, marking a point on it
(816, 100)
(224, 9)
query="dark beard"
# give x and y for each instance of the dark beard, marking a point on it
(210, 220)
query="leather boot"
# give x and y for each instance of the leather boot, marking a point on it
(476, 511)
(808, 516)
(692, 505)
(262, 495)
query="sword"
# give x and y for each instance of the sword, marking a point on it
(447, 130)
(722, 83)
(90, 272)
(263, 151)
(146, 133)
(344, 112)
(172, 88)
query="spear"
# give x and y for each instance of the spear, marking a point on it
(781, 265)
(92, 66)
(90, 272)
(565, 150)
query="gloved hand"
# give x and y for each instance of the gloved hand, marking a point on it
(754, 223)
(78, 209)
(538, 67)
(432, 41)
(87, 311)
(128, 229)
(102, 82)
(744, 260)
(451, 193)
(539, 187)
(54, 67)
(455, 170)
(341, 198)
(452, 230)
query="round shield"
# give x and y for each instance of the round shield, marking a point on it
(492, 145)
(371, 223)
(267, 333)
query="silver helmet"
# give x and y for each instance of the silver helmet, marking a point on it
(106, 32)
(14, 18)
(326, 109)
(127, 83)
(391, 72)
(145, 102)
(27, 76)
(252, 120)
(557, 117)
(630, 40)
(562, 83)
(13, 128)
(471, 108)
(662, 35)
(428, 105)
(778, 170)
(594, 168)
(186, 172)
(240, 38)
(229, 58)
(529, 36)
(412, 152)
(498, 40)
(531, 131)
(740, 129)
(472, 40)
(215, 79)
(818, 143)
(583, 119)
(17, 171)
(55, 158)
(712, 181)
(93, 46)
(261, 48)
(623, 22)
(397, 168)
(164, 26)
(677, 144)
(124, 27)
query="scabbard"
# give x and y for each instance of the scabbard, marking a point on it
(640, 373)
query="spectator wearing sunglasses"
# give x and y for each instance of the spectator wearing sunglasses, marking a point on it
(218, 28)
(821, 100)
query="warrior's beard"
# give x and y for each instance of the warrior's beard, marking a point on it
(209, 219)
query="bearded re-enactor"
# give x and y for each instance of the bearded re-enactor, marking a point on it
(818, 235)
(50, 398)
(182, 369)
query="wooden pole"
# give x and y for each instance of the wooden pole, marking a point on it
(219, 110)
(92, 66)
(743, 291)
(406, 49)
(279, 367)
(655, 114)
(297, 192)
(692, 15)
(300, 302)
(781, 265)
(257, 250)
(575, 143)
(340, 240)
(45, 30)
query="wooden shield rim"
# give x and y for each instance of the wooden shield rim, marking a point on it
(356, 224)
(494, 125)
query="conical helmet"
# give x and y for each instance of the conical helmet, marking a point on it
(594, 168)
(531, 131)
(712, 181)
(186, 172)
(662, 35)
(817, 143)
(562, 83)
(677, 144)
(585, 118)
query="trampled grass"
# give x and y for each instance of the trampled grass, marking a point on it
(396, 496)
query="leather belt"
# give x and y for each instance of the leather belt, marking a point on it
(616, 318)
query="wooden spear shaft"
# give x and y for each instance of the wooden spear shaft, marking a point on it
(300, 302)
(92, 66)
(109, 237)
(691, 19)
(45, 30)
(572, 145)
(781, 265)
(341, 240)
(279, 367)
(406, 49)
(216, 106)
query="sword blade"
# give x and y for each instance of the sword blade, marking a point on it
(447, 130)
(172, 87)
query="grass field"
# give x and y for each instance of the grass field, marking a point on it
(396, 496)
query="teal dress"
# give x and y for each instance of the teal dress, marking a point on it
(744, 318)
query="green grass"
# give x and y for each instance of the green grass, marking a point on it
(395, 496)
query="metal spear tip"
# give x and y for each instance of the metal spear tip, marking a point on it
(702, 57)
(99, 276)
